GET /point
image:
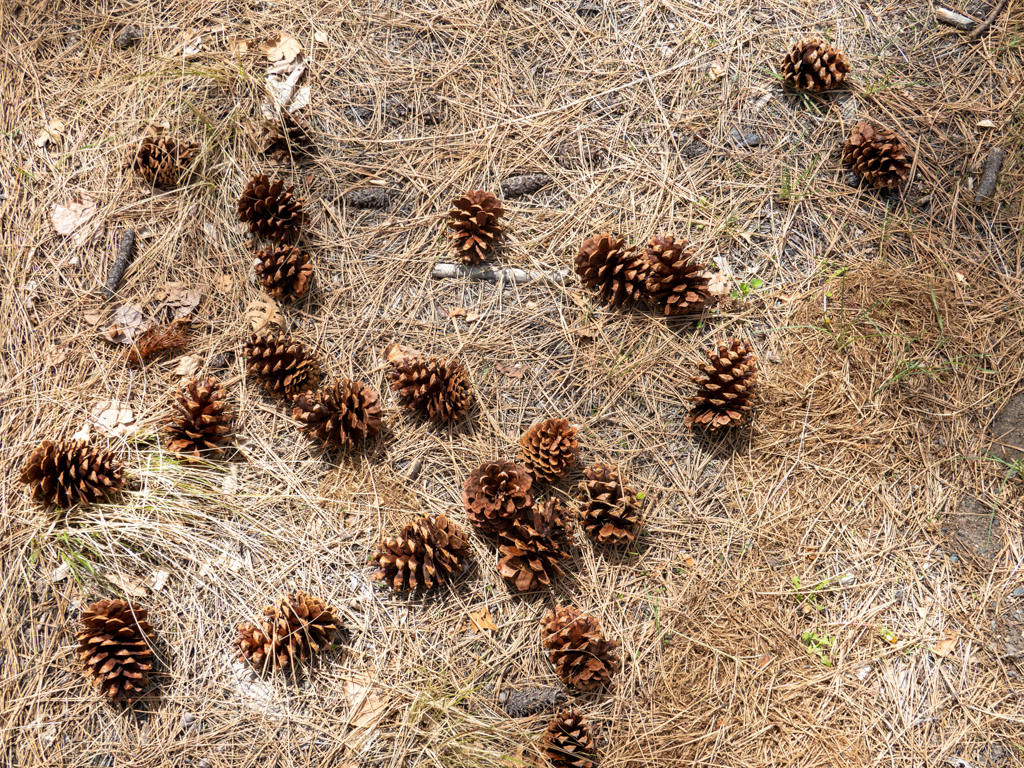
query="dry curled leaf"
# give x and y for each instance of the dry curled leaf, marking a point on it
(114, 417)
(283, 84)
(281, 46)
(320, 37)
(716, 71)
(586, 334)
(128, 585)
(223, 282)
(177, 299)
(470, 315)
(397, 353)
(364, 705)
(515, 372)
(79, 220)
(188, 365)
(127, 322)
(944, 646)
(482, 620)
(157, 580)
(264, 314)
(52, 132)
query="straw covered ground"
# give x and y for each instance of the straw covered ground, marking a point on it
(839, 583)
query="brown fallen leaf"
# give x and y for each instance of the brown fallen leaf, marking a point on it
(78, 220)
(515, 372)
(224, 282)
(264, 314)
(52, 132)
(457, 312)
(587, 334)
(470, 315)
(177, 299)
(397, 353)
(281, 46)
(720, 284)
(188, 365)
(127, 322)
(482, 620)
(157, 580)
(114, 417)
(239, 44)
(130, 586)
(944, 646)
(364, 705)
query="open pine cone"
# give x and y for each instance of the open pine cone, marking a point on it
(610, 511)
(434, 386)
(725, 392)
(284, 271)
(530, 551)
(271, 210)
(202, 420)
(343, 413)
(114, 647)
(161, 160)
(473, 221)
(281, 365)
(675, 281)
(294, 628)
(428, 552)
(877, 155)
(549, 449)
(282, 138)
(71, 472)
(619, 273)
(581, 655)
(567, 742)
(814, 65)
(496, 494)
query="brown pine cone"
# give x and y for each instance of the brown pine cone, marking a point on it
(877, 155)
(71, 472)
(294, 628)
(619, 273)
(202, 421)
(343, 413)
(567, 742)
(281, 365)
(814, 65)
(609, 511)
(582, 657)
(530, 551)
(271, 210)
(725, 393)
(549, 449)
(496, 494)
(434, 386)
(284, 271)
(675, 281)
(428, 552)
(161, 160)
(114, 646)
(282, 138)
(474, 226)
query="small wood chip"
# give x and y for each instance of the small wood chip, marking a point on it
(990, 175)
(526, 184)
(371, 197)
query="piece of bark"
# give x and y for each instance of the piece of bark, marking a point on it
(128, 37)
(954, 19)
(525, 184)
(983, 27)
(369, 197)
(125, 254)
(493, 274)
(989, 175)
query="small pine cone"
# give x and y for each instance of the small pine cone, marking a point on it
(549, 449)
(438, 387)
(280, 139)
(202, 421)
(579, 652)
(530, 701)
(294, 628)
(496, 494)
(428, 552)
(619, 273)
(474, 226)
(272, 211)
(343, 413)
(160, 160)
(530, 551)
(675, 281)
(610, 511)
(567, 742)
(114, 647)
(284, 271)
(877, 156)
(814, 65)
(724, 395)
(281, 365)
(71, 472)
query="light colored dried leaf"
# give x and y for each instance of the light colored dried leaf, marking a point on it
(223, 562)
(986, 124)
(177, 298)
(944, 646)
(127, 322)
(716, 71)
(51, 132)
(397, 353)
(157, 580)
(515, 372)
(263, 314)
(320, 37)
(79, 220)
(364, 705)
(587, 334)
(28, 293)
(283, 86)
(130, 586)
(281, 46)
(188, 365)
(472, 317)
(114, 418)
(239, 44)
(223, 282)
(482, 620)
(457, 312)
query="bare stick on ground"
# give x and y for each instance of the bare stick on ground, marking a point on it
(990, 174)
(125, 254)
(493, 274)
(954, 19)
(983, 27)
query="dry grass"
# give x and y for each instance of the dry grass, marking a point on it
(890, 333)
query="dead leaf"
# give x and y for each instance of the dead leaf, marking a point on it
(188, 365)
(192, 44)
(126, 323)
(457, 312)
(397, 353)
(720, 284)
(472, 317)
(281, 46)
(531, 305)
(28, 293)
(114, 417)
(239, 44)
(716, 71)
(223, 282)
(51, 132)
(223, 562)
(176, 298)
(944, 646)
(482, 620)
(320, 37)
(364, 705)
(157, 580)
(131, 587)
(263, 314)
(157, 127)
(78, 219)
(980, 124)
(282, 81)
(515, 372)
(586, 334)
(764, 661)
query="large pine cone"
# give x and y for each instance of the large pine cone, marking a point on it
(814, 65)
(113, 645)
(271, 210)
(582, 657)
(296, 627)
(549, 449)
(438, 387)
(71, 472)
(877, 155)
(675, 281)
(202, 421)
(567, 742)
(496, 494)
(474, 226)
(428, 552)
(343, 413)
(530, 551)
(160, 160)
(724, 395)
(284, 271)
(282, 138)
(619, 273)
(281, 365)
(610, 511)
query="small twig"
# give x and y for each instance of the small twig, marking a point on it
(954, 19)
(983, 27)
(989, 175)
(125, 254)
(492, 274)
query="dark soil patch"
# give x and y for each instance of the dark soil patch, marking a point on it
(1008, 430)
(976, 529)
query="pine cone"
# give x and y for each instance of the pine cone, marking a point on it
(474, 226)
(724, 396)
(281, 365)
(549, 449)
(296, 627)
(496, 494)
(160, 160)
(284, 137)
(427, 552)
(284, 271)
(438, 387)
(530, 551)
(71, 472)
(114, 649)
(877, 155)
(610, 511)
(567, 742)
(343, 413)
(271, 210)
(675, 281)
(814, 65)
(579, 652)
(203, 419)
(619, 273)
(530, 701)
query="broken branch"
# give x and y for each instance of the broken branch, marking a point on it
(954, 19)
(983, 27)
(492, 274)
(989, 175)
(125, 254)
